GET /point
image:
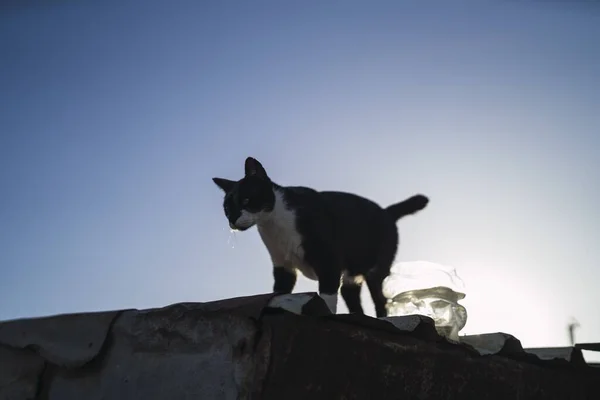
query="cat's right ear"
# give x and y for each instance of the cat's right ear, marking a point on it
(254, 168)
(225, 184)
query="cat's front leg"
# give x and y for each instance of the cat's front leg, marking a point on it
(285, 279)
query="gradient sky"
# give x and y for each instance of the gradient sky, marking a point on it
(114, 117)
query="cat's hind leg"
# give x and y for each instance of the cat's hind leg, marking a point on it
(375, 284)
(351, 294)
(319, 255)
(329, 286)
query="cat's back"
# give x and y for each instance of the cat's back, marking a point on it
(350, 204)
(335, 209)
(336, 202)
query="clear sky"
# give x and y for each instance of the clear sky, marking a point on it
(114, 117)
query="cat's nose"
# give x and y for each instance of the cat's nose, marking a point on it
(232, 226)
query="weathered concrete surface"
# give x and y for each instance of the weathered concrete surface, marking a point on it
(185, 351)
(20, 373)
(248, 348)
(69, 340)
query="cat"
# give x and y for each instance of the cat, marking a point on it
(338, 239)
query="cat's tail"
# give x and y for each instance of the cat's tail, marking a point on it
(407, 207)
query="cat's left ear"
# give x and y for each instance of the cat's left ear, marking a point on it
(254, 168)
(225, 184)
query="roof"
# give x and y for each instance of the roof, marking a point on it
(272, 347)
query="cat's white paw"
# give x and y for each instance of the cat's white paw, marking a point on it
(331, 301)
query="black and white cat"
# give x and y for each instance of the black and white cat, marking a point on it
(333, 237)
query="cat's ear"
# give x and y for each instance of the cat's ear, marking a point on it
(254, 168)
(225, 184)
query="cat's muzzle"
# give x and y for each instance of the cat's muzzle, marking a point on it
(238, 228)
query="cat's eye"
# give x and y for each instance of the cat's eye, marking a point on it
(245, 201)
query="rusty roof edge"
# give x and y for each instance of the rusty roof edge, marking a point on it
(418, 326)
(250, 306)
(588, 346)
(571, 354)
(505, 345)
(493, 343)
(81, 337)
(422, 327)
(308, 304)
(75, 339)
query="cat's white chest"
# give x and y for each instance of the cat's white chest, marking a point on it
(284, 243)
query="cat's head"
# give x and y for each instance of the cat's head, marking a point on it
(249, 199)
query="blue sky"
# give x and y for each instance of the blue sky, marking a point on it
(115, 115)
